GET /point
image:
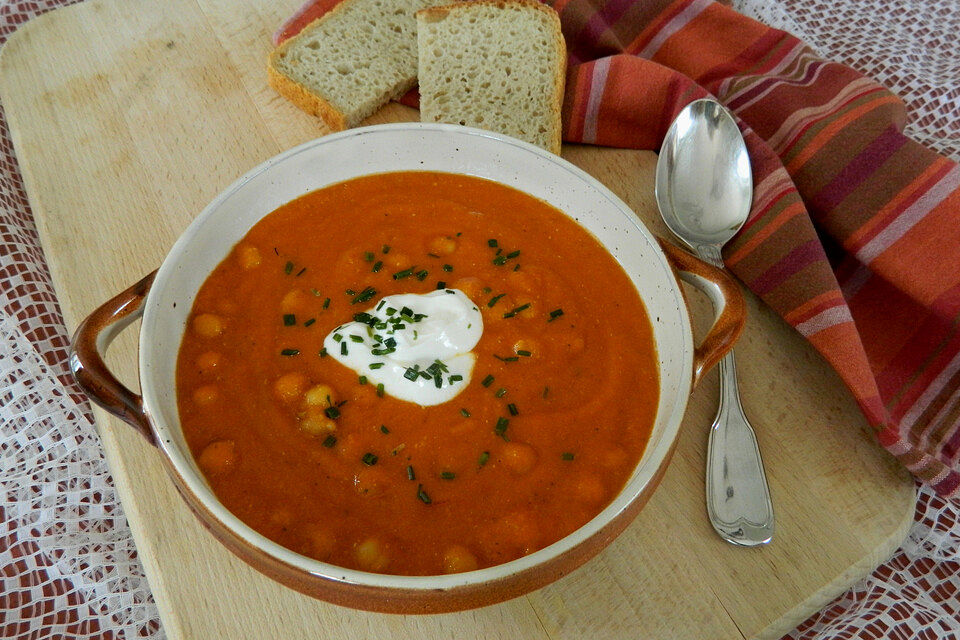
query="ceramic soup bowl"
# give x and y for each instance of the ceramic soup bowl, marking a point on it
(164, 300)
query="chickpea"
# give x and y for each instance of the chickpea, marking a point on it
(371, 555)
(208, 325)
(443, 245)
(320, 395)
(295, 301)
(527, 345)
(289, 387)
(457, 559)
(317, 425)
(519, 457)
(471, 287)
(249, 257)
(321, 542)
(589, 489)
(206, 395)
(208, 361)
(220, 456)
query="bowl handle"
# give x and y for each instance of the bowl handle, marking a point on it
(728, 304)
(90, 342)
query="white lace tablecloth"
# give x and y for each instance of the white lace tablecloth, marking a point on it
(68, 564)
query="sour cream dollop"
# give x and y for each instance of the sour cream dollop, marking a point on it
(418, 346)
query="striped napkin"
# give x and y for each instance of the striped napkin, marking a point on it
(854, 234)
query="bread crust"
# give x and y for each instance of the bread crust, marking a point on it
(304, 99)
(559, 72)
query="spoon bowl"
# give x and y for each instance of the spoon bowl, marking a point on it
(704, 185)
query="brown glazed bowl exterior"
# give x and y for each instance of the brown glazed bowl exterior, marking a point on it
(164, 298)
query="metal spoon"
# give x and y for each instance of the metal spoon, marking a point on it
(704, 189)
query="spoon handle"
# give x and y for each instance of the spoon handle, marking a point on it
(738, 498)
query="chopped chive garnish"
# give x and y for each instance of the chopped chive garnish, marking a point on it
(491, 242)
(447, 267)
(330, 441)
(556, 313)
(483, 459)
(356, 338)
(437, 380)
(332, 412)
(377, 266)
(546, 391)
(315, 292)
(516, 310)
(349, 292)
(376, 365)
(288, 268)
(495, 299)
(525, 354)
(364, 295)
(507, 359)
(500, 392)
(368, 256)
(441, 285)
(410, 474)
(326, 303)
(454, 378)
(382, 352)
(386, 248)
(513, 254)
(362, 379)
(501, 428)
(424, 498)
(337, 337)
(369, 459)
(406, 273)
(309, 322)
(289, 319)
(290, 352)
(464, 413)
(343, 348)
(323, 352)
(300, 273)
(500, 260)
(448, 475)
(411, 374)
(380, 390)
(433, 255)
(566, 455)
(516, 267)
(487, 381)
(512, 408)
(383, 429)
(422, 275)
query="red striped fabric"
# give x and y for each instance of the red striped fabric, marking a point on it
(854, 235)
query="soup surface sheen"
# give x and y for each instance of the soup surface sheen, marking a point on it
(308, 452)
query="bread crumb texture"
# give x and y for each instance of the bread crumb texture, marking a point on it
(349, 62)
(496, 65)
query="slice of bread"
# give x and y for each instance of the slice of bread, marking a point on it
(349, 62)
(493, 64)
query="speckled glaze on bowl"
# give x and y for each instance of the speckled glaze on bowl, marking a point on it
(165, 298)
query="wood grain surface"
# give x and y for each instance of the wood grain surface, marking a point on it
(128, 116)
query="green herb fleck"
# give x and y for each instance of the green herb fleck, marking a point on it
(484, 458)
(376, 365)
(383, 429)
(289, 319)
(369, 459)
(556, 313)
(491, 242)
(448, 475)
(464, 413)
(380, 390)
(377, 266)
(512, 408)
(323, 352)
(487, 381)
(332, 412)
(501, 428)
(386, 248)
(330, 441)
(290, 352)
(326, 303)
(288, 268)
(495, 299)
(447, 267)
(424, 498)
(368, 256)
(362, 379)
(405, 273)
(500, 392)
(410, 474)
(567, 455)
(309, 322)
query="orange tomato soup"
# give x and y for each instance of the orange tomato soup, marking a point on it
(559, 409)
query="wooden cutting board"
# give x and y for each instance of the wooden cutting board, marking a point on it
(128, 116)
